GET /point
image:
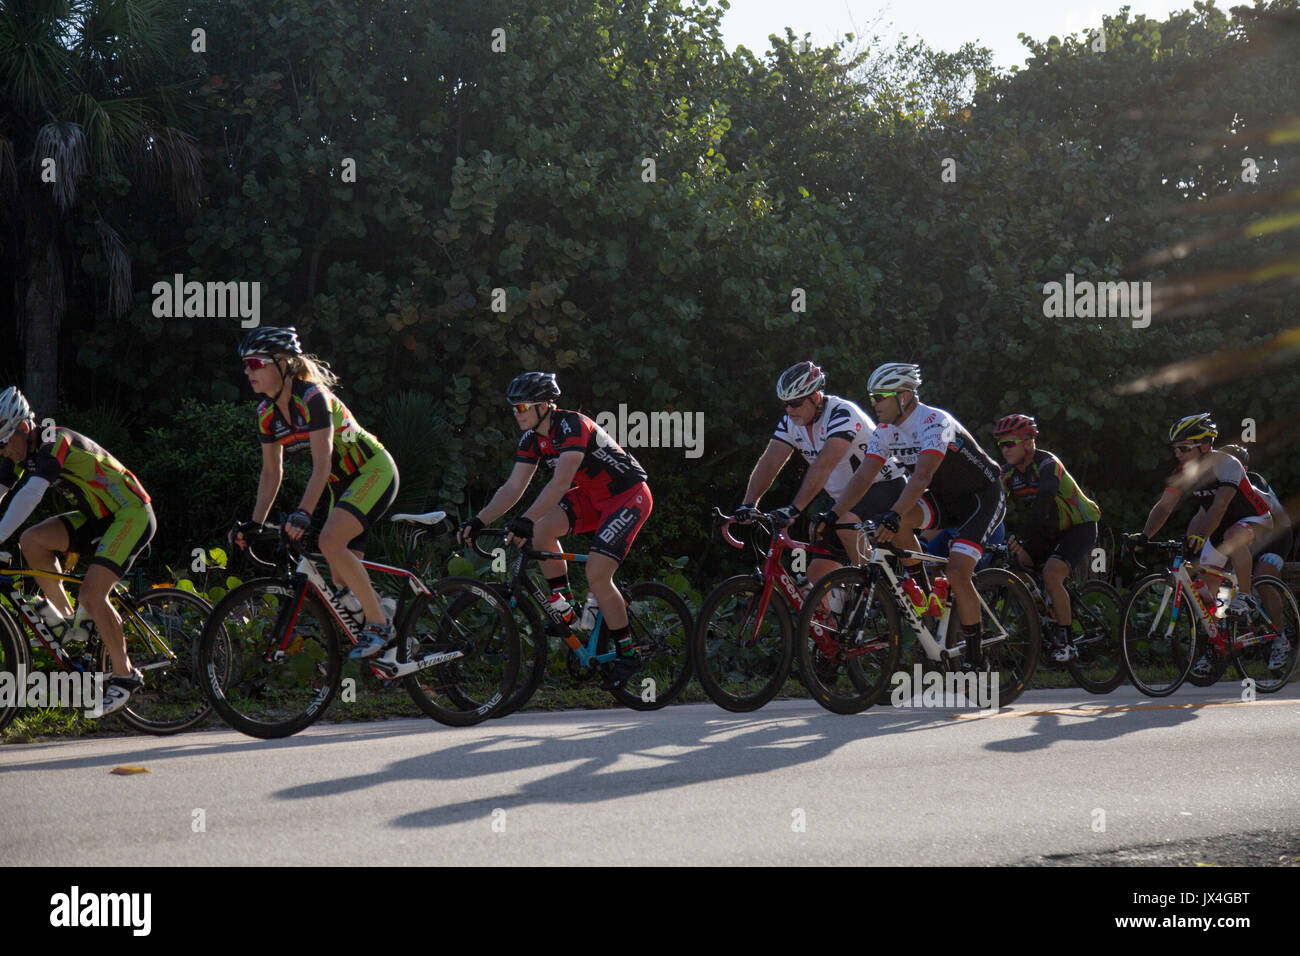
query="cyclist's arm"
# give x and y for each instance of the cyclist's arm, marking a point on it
(549, 499)
(766, 469)
(1197, 526)
(509, 493)
(22, 506)
(1161, 511)
(926, 465)
(1218, 508)
(322, 453)
(858, 484)
(832, 454)
(268, 486)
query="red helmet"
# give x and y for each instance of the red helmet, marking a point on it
(1015, 426)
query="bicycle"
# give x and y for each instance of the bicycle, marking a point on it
(743, 641)
(1095, 664)
(282, 634)
(160, 628)
(1167, 626)
(860, 612)
(659, 618)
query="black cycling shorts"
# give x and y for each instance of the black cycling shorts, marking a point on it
(973, 517)
(1073, 546)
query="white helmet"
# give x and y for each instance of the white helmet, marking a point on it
(893, 376)
(800, 381)
(14, 410)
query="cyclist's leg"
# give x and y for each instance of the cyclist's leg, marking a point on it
(1071, 551)
(1270, 562)
(362, 502)
(1236, 545)
(41, 545)
(126, 536)
(621, 520)
(547, 531)
(982, 513)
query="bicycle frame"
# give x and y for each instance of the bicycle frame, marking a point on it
(1219, 640)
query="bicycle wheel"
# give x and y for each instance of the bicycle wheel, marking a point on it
(534, 650)
(1218, 663)
(742, 661)
(14, 664)
(284, 695)
(1275, 620)
(661, 622)
(1014, 658)
(1095, 610)
(162, 639)
(1157, 638)
(847, 637)
(467, 618)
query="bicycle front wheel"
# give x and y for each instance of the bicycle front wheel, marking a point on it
(847, 637)
(1275, 625)
(661, 625)
(13, 663)
(1098, 667)
(1014, 625)
(162, 640)
(255, 684)
(466, 633)
(742, 660)
(1158, 636)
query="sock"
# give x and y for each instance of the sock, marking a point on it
(622, 639)
(971, 632)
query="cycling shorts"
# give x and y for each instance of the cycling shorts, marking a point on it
(974, 517)
(122, 535)
(367, 494)
(880, 497)
(616, 522)
(1073, 546)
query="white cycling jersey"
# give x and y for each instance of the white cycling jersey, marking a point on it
(839, 418)
(966, 468)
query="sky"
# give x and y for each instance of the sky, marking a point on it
(944, 24)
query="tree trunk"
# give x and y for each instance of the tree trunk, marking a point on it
(38, 323)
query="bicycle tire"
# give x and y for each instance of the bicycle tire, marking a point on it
(660, 621)
(847, 662)
(1016, 658)
(1252, 662)
(740, 666)
(14, 660)
(264, 699)
(1218, 663)
(534, 650)
(172, 699)
(1098, 666)
(462, 615)
(1157, 664)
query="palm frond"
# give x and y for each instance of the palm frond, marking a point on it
(171, 158)
(33, 64)
(8, 167)
(65, 143)
(119, 267)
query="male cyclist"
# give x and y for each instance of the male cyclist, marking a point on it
(831, 433)
(595, 486)
(109, 504)
(954, 483)
(1061, 527)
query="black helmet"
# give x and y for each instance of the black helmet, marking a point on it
(1194, 428)
(533, 387)
(269, 340)
(800, 381)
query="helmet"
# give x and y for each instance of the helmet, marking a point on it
(1016, 426)
(800, 381)
(1238, 452)
(1194, 428)
(14, 410)
(893, 376)
(533, 387)
(269, 340)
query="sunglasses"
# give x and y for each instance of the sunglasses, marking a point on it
(521, 407)
(878, 397)
(1008, 442)
(255, 363)
(796, 404)
(1183, 449)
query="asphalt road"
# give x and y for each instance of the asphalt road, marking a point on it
(1060, 778)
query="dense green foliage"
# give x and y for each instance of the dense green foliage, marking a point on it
(794, 169)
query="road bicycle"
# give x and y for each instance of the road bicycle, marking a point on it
(161, 627)
(860, 612)
(271, 654)
(1167, 626)
(1095, 663)
(743, 641)
(659, 618)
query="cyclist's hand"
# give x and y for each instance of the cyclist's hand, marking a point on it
(784, 517)
(468, 531)
(886, 526)
(297, 524)
(745, 513)
(521, 530)
(238, 530)
(1193, 546)
(823, 520)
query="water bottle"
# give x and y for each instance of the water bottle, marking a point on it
(938, 596)
(915, 595)
(589, 612)
(1226, 594)
(82, 625)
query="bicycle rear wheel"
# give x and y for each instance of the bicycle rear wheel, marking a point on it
(14, 663)
(1276, 619)
(467, 618)
(742, 661)
(279, 697)
(661, 624)
(1015, 657)
(1158, 636)
(847, 637)
(1099, 666)
(162, 639)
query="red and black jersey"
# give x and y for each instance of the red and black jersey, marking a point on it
(606, 469)
(1205, 476)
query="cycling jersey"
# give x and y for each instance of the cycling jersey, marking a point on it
(1202, 478)
(839, 418)
(91, 479)
(606, 470)
(311, 409)
(965, 470)
(1045, 486)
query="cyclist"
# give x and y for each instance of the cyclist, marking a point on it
(954, 483)
(109, 504)
(831, 433)
(299, 412)
(1229, 512)
(1061, 527)
(595, 486)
